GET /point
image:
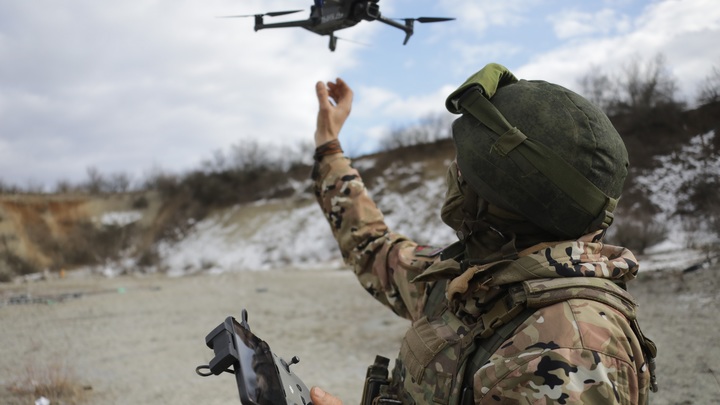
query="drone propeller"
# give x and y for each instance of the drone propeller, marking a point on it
(433, 19)
(425, 19)
(270, 14)
(333, 41)
(410, 22)
(353, 41)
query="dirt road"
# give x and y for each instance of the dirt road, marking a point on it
(137, 340)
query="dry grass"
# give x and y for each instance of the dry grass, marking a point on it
(54, 380)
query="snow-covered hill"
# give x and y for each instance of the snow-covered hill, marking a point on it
(293, 233)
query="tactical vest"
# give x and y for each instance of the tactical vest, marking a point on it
(440, 353)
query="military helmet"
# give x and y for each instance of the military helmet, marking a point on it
(539, 150)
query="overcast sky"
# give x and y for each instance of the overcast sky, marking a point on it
(141, 85)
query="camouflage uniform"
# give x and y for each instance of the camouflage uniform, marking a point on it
(576, 351)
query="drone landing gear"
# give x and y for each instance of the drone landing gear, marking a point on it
(333, 42)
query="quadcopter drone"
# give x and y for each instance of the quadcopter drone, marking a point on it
(328, 16)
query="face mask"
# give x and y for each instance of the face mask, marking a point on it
(451, 212)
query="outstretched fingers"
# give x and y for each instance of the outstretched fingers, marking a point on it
(341, 93)
(322, 95)
(335, 101)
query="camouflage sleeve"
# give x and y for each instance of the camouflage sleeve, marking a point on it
(576, 352)
(383, 261)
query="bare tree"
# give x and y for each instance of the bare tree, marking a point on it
(118, 183)
(639, 86)
(598, 87)
(645, 86)
(710, 88)
(298, 154)
(95, 182)
(217, 163)
(160, 180)
(430, 128)
(249, 156)
(63, 186)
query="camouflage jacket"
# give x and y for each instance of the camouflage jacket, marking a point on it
(577, 351)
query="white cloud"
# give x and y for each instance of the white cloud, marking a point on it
(392, 110)
(477, 17)
(382, 103)
(685, 32)
(162, 81)
(571, 23)
(470, 53)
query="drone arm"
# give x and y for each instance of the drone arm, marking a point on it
(407, 27)
(301, 23)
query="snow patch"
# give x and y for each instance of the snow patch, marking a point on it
(119, 218)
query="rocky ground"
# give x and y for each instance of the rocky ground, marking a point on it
(137, 340)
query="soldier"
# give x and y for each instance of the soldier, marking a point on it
(529, 306)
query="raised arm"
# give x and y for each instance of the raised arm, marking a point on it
(383, 261)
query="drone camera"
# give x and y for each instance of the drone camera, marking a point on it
(373, 10)
(367, 10)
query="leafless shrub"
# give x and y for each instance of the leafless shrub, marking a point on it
(297, 155)
(98, 183)
(64, 186)
(157, 179)
(218, 162)
(95, 182)
(640, 86)
(249, 171)
(250, 156)
(11, 264)
(140, 203)
(641, 99)
(429, 128)
(55, 380)
(692, 229)
(598, 87)
(149, 258)
(86, 244)
(637, 232)
(7, 188)
(699, 205)
(647, 85)
(118, 183)
(710, 87)
(33, 187)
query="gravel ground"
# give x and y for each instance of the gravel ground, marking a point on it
(137, 340)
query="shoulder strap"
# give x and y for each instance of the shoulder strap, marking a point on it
(485, 349)
(436, 301)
